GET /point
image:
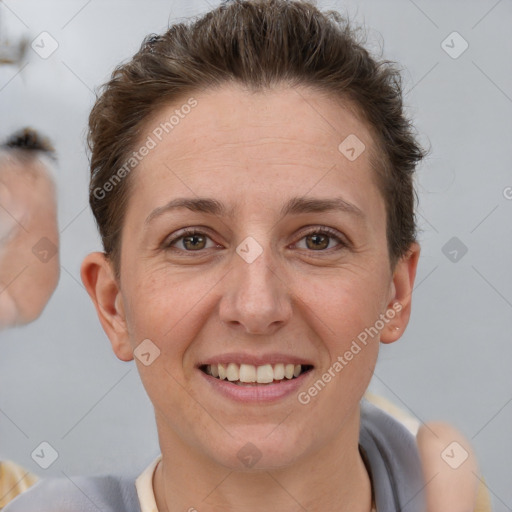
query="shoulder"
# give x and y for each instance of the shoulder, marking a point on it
(78, 494)
(386, 434)
(393, 458)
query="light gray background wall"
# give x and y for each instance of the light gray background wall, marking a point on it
(61, 383)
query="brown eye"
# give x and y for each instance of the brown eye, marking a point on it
(189, 241)
(194, 242)
(318, 241)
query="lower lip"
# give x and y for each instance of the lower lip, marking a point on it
(258, 393)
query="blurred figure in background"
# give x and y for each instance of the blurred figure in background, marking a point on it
(29, 236)
(29, 258)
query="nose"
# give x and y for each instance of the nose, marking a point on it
(256, 299)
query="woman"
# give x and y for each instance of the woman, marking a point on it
(251, 178)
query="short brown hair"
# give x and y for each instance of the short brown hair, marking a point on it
(258, 44)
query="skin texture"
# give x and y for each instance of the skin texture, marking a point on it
(253, 152)
(28, 219)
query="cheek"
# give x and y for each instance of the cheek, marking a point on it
(344, 303)
(166, 308)
(346, 311)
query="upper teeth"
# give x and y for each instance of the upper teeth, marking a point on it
(250, 373)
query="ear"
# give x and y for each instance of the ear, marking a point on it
(99, 280)
(400, 295)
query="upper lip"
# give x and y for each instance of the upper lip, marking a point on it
(256, 360)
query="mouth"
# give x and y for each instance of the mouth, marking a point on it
(249, 375)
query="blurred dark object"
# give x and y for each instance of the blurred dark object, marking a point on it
(13, 54)
(29, 139)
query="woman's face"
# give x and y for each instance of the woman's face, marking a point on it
(260, 282)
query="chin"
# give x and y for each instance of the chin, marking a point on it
(257, 448)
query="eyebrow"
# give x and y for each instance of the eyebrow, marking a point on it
(295, 206)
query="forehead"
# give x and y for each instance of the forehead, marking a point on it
(233, 139)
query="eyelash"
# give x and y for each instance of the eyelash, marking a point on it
(342, 244)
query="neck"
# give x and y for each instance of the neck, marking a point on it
(334, 478)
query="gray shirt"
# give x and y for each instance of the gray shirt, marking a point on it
(390, 451)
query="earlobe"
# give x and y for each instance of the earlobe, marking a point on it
(399, 306)
(98, 278)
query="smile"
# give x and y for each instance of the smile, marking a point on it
(248, 374)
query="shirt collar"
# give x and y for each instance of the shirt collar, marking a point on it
(144, 486)
(146, 494)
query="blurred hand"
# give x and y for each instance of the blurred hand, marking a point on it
(449, 467)
(29, 239)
